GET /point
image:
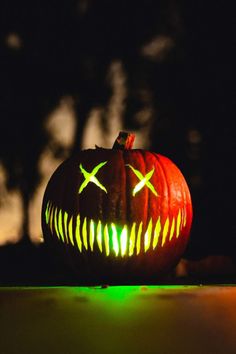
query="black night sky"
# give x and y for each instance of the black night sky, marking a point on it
(53, 49)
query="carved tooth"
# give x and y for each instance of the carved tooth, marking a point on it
(99, 235)
(165, 231)
(123, 240)
(91, 234)
(178, 224)
(55, 223)
(106, 240)
(51, 218)
(65, 226)
(115, 242)
(47, 212)
(77, 233)
(132, 239)
(148, 236)
(84, 233)
(157, 232)
(70, 229)
(184, 217)
(172, 229)
(138, 244)
(60, 226)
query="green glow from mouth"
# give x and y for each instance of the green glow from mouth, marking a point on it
(109, 238)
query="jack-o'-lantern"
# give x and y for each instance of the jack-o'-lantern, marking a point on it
(119, 215)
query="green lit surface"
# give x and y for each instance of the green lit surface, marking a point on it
(122, 319)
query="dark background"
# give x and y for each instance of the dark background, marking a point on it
(66, 49)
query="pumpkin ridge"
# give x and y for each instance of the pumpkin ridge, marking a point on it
(145, 158)
(167, 188)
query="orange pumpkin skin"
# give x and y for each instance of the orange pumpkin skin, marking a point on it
(109, 231)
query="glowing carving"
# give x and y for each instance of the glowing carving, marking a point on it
(132, 239)
(123, 240)
(91, 234)
(90, 177)
(111, 238)
(84, 233)
(165, 231)
(60, 225)
(138, 244)
(144, 181)
(99, 235)
(114, 239)
(47, 212)
(106, 240)
(178, 224)
(77, 233)
(51, 218)
(65, 226)
(172, 229)
(157, 232)
(55, 223)
(148, 236)
(70, 230)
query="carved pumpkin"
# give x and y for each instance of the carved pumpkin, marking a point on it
(119, 215)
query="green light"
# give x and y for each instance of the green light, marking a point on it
(84, 233)
(90, 177)
(77, 233)
(132, 239)
(47, 212)
(91, 234)
(127, 241)
(106, 240)
(123, 240)
(138, 245)
(172, 229)
(115, 243)
(51, 218)
(165, 231)
(60, 226)
(55, 223)
(157, 232)
(65, 225)
(144, 181)
(99, 235)
(185, 217)
(70, 229)
(147, 236)
(178, 224)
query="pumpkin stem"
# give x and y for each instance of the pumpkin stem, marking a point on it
(124, 141)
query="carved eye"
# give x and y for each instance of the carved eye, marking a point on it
(90, 177)
(143, 181)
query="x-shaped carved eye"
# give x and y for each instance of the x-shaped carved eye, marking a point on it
(144, 181)
(90, 177)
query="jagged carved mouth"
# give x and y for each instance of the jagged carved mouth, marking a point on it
(88, 235)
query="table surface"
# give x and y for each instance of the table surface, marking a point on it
(118, 319)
